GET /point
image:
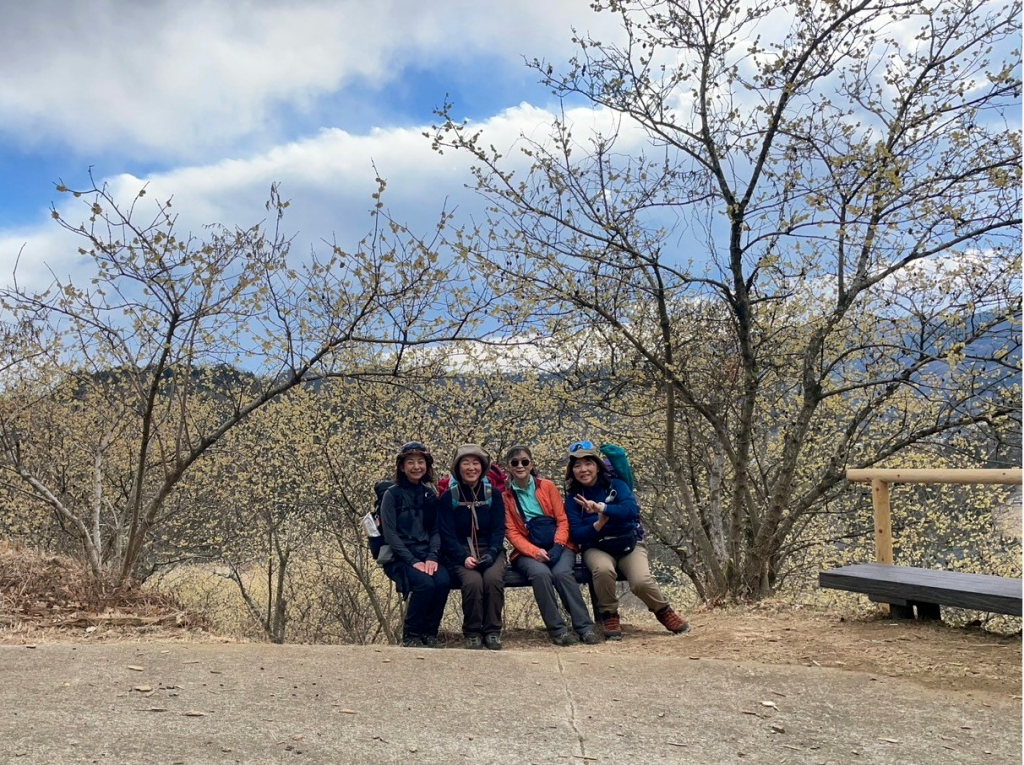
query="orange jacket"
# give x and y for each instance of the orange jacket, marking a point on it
(551, 503)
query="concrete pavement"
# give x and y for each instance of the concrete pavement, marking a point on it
(199, 703)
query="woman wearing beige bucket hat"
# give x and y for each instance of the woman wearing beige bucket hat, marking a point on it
(471, 517)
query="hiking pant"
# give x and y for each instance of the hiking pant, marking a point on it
(635, 567)
(546, 580)
(428, 598)
(483, 597)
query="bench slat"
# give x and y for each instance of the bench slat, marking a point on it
(904, 584)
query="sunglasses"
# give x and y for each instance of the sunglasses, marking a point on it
(575, 447)
(519, 463)
(413, 446)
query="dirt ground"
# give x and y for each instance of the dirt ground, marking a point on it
(41, 602)
(931, 654)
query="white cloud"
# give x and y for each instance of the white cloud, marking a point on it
(183, 80)
(328, 178)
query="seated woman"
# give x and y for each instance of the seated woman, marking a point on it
(538, 530)
(604, 520)
(408, 518)
(472, 522)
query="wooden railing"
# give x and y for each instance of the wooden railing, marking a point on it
(881, 478)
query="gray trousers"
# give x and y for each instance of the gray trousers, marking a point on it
(546, 581)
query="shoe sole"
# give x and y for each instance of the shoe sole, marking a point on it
(681, 631)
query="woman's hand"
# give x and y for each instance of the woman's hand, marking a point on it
(430, 567)
(420, 566)
(470, 562)
(589, 505)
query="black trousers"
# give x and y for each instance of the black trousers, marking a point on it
(429, 594)
(483, 597)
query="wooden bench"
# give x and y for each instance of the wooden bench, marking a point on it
(902, 589)
(906, 589)
(514, 579)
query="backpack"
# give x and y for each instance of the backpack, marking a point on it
(371, 521)
(457, 500)
(618, 464)
(494, 476)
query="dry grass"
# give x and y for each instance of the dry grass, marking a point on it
(46, 596)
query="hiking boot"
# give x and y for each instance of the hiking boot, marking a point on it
(564, 639)
(474, 642)
(430, 641)
(493, 641)
(611, 626)
(672, 621)
(590, 638)
(412, 641)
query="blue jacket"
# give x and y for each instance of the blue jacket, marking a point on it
(456, 526)
(622, 511)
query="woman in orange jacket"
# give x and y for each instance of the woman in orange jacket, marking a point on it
(537, 528)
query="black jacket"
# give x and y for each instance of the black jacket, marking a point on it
(408, 519)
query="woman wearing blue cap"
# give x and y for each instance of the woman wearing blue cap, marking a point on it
(604, 520)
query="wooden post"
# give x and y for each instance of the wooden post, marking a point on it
(883, 521)
(883, 527)
(1011, 477)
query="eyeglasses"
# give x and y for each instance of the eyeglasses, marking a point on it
(413, 446)
(575, 447)
(519, 463)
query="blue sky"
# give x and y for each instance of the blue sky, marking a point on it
(211, 102)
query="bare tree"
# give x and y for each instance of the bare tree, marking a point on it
(114, 388)
(798, 223)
